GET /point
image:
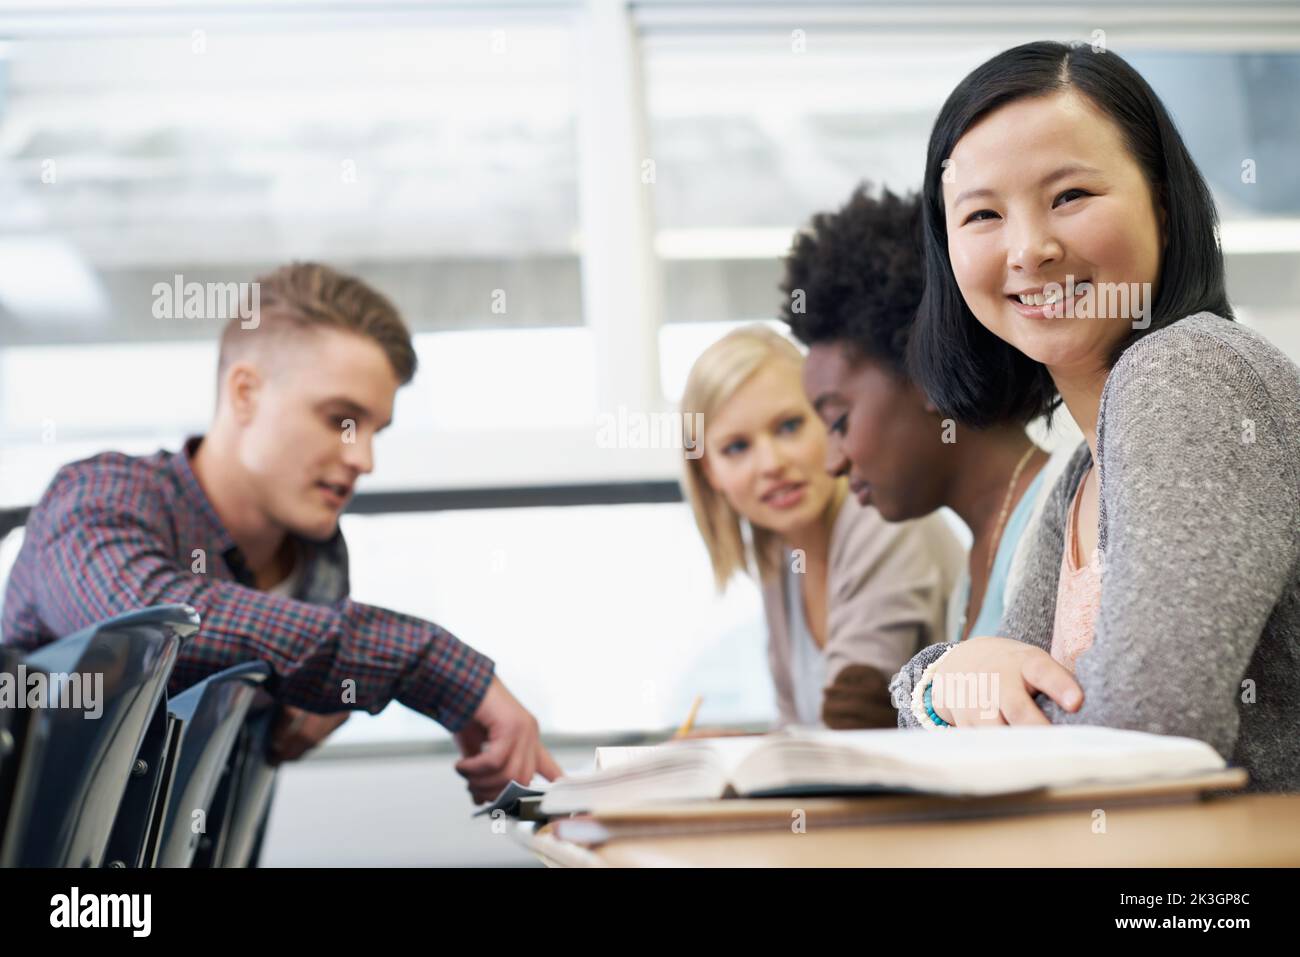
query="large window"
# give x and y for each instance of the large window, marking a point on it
(435, 158)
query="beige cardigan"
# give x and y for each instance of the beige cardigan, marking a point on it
(888, 588)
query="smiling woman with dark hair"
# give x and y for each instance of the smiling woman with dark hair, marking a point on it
(1072, 256)
(966, 367)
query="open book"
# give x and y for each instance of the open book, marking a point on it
(962, 762)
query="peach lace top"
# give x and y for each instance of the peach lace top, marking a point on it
(1078, 592)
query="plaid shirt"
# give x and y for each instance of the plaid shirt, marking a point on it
(114, 533)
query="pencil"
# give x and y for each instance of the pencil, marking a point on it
(685, 729)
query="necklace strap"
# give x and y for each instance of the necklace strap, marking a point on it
(997, 535)
(1006, 507)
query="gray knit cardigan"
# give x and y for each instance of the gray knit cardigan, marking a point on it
(1198, 634)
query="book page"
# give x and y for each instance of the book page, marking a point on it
(976, 761)
(730, 751)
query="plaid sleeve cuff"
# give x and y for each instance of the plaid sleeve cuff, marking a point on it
(451, 682)
(385, 656)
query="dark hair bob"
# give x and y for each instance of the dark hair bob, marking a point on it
(968, 372)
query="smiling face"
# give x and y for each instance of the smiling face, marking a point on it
(881, 432)
(307, 420)
(764, 450)
(1044, 191)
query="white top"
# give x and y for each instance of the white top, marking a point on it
(289, 586)
(807, 661)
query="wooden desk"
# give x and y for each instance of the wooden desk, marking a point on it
(1230, 831)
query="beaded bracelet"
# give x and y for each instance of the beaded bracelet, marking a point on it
(922, 704)
(929, 709)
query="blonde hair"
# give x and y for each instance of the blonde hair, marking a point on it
(714, 378)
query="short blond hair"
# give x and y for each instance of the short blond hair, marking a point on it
(303, 296)
(714, 378)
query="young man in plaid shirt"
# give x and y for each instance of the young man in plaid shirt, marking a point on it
(243, 524)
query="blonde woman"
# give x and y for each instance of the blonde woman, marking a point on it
(848, 597)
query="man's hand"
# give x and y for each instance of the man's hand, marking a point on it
(297, 732)
(499, 744)
(992, 681)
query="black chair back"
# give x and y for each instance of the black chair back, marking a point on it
(243, 801)
(74, 763)
(211, 715)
